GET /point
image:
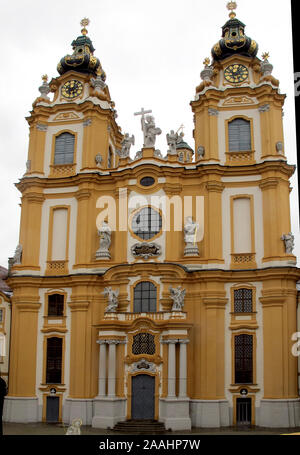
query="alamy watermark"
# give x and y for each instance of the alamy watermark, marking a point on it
(297, 83)
(173, 210)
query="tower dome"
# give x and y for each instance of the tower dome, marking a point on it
(82, 59)
(234, 40)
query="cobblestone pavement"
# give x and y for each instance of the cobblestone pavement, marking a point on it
(60, 429)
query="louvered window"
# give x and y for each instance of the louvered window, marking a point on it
(143, 343)
(109, 158)
(55, 305)
(243, 351)
(54, 360)
(144, 297)
(239, 133)
(243, 301)
(64, 149)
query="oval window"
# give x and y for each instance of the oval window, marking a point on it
(147, 181)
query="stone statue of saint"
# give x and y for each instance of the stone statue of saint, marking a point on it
(126, 143)
(172, 139)
(105, 240)
(17, 259)
(190, 231)
(190, 228)
(289, 242)
(177, 295)
(112, 296)
(150, 130)
(74, 428)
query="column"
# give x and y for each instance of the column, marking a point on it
(182, 368)
(171, 369)
(112, 368)
(102, 369)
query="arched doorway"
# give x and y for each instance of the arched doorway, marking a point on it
(143, 397)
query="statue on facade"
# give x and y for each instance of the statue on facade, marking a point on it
(17, 259)
(112, 296)
(149, 129)
(105, 241)
(190, 232)
(200, 152)
(177, 295)
(126, 143)
(172, 139)
(289, 242)
(98, 159)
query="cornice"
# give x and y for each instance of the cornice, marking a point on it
(114, 176)
(264, 92)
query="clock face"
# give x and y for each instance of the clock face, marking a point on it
(71, 89)
(236, 73)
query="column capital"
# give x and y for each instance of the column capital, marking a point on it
(171, 341)
(184, 341)
(111, 342)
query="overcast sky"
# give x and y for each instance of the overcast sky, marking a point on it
(152, 53)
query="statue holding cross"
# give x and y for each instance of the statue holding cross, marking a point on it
(148, 127)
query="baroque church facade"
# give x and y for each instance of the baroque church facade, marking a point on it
(159, 287)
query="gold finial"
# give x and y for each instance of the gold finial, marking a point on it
(45, 78)
(265, 56)
(206, 61)
(84, 22)
(231, 6)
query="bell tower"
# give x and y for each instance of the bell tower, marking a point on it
(238, 112)
(80, 118)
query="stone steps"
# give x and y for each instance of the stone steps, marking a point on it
(140, 427)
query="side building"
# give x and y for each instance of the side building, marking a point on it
(157, 287)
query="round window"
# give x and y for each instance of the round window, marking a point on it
(146, 223)
(147, 181)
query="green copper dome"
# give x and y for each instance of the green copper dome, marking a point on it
(82, 59)
(234, 40)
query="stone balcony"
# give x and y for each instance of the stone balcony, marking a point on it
(157, 316)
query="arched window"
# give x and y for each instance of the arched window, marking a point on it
(64, 148)
(144, 297)
(109, 158)
(54, 360)
(239, 135)
(243, 354)
(243, 300)
(146, 223)
(143, 343)
(55, 305)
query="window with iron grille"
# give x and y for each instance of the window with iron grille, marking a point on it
(144, 300)
(243, 353)
(55, 305)
(243, 301)
(1, 315)
(64, 148)
(54, 360)
(239, 134)
(146, 223)
(143, 343)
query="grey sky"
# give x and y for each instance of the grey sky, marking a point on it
(152, 53)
